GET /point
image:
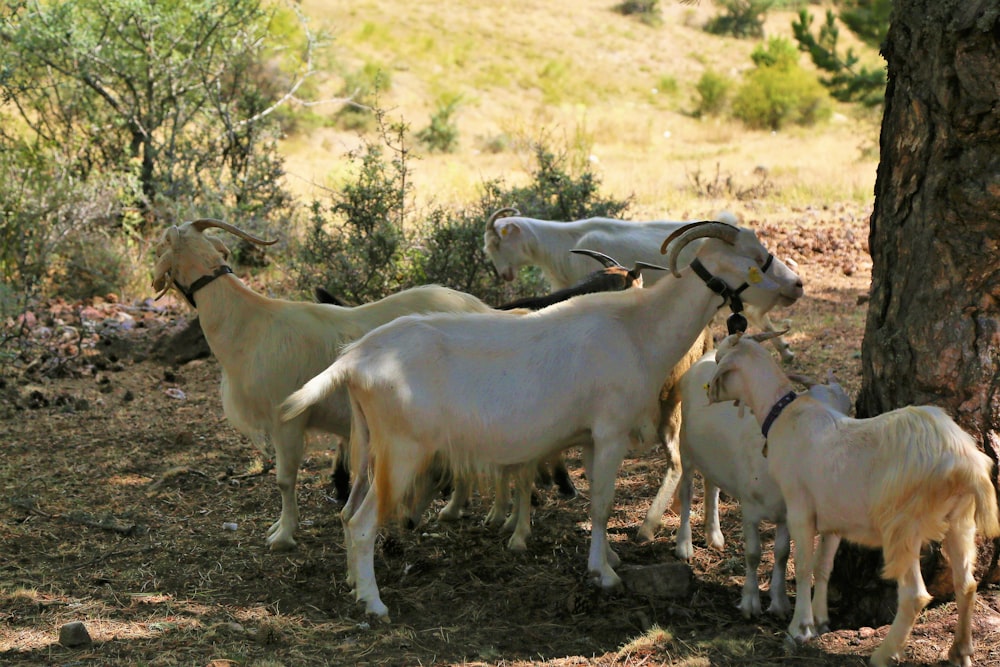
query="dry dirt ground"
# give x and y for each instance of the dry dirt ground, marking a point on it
(129, 504)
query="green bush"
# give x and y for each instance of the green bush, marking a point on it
(442, 134)
(647, 11)
(369, 242)
(742, 18)
(713, 93)
(779, 92)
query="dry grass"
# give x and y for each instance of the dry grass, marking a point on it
(582, 76)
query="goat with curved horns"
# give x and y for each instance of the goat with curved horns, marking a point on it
(268, 347)
(486, 391)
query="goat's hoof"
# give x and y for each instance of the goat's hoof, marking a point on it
(959, 657)
(608, 583)
(279, 544)
(517, 546)
(646, 535)
(377, 610)
(822, 628)
(750, 608)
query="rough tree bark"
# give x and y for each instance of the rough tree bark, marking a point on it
(933, 328)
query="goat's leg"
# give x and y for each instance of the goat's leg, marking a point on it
(361, 532)
(912, 597)
(654, 516)
(561, 477)
(520, 518)
(780, 606)
(359, 491)
(461, 488)
(608, 453)
(685, 548)
(713, 531)
(289, 446)
(822, 569)
(750, 600)
(803, 532)
(342, 473)
(960, 547)
(501, 500)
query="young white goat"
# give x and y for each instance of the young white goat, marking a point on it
(268, 347)
(894, 481)
(724, 444)
(488, 390)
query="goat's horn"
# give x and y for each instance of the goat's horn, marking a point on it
(696, 230)
(608, 262)
(802, 379)
(762, 336)
(500, 213)
(647, 265)
(201, 224)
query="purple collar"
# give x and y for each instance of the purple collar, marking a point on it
(775, 412)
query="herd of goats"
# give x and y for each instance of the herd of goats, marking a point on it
(433, 379)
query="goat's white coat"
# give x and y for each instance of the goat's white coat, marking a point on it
(269, 347)
(895, 481)
(725, 445)
(491, 391)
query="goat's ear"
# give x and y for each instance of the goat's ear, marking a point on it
(717, 392)
(219, 246)
(508, 230)
(161, 271)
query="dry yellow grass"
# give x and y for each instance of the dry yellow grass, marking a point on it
(583, 77)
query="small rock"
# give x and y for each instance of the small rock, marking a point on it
(74, 635)
(665, 580)
(174, 392)
(866, 632)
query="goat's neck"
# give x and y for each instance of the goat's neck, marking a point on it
(550, 251)
(763, 390)
(670, 315)
(228, 311)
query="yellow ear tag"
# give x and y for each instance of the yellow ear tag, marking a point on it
(504, 231)
(707, 388)
(753, 275)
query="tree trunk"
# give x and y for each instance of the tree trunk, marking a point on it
(932, 334)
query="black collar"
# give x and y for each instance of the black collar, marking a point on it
(201, 282)
(736, 323)
(776, 410)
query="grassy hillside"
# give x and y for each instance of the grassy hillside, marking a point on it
(605, 86)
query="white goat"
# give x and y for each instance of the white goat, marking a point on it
(724, 444)
(489, 390)
(894, 481)
(268, 347)
(515, 241)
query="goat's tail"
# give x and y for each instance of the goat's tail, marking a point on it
(987, 515)
(314, 391)
(941, 462)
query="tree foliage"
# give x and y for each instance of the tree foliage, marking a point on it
(179, 93)
(848, 81)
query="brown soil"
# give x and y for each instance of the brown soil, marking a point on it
(130, 504)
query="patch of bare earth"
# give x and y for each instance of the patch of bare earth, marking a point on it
(130, 504)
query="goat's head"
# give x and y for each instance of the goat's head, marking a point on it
(738, 357)
(736, 256)
(185, 253)
(503, 243)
